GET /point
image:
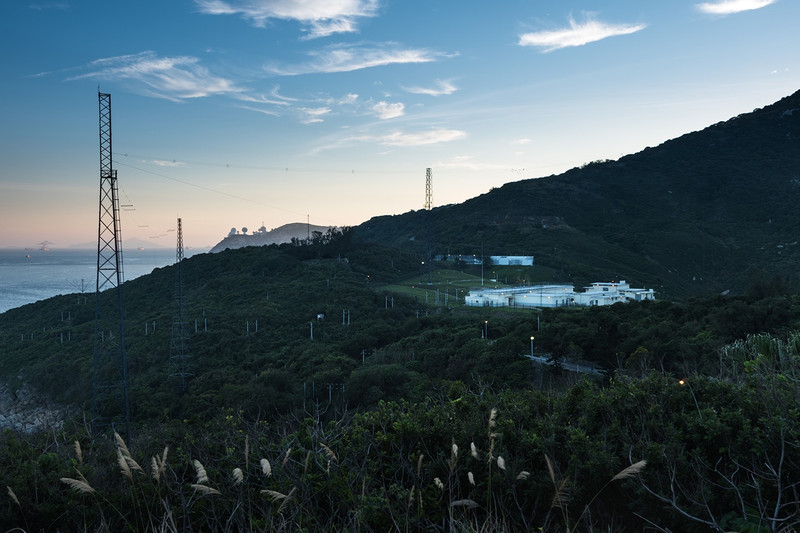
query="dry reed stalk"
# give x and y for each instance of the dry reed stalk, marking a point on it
(158, 465)
(121, 444)
(469, 504)
(274, 495)
(286, 457)
(266, 469)
(13, 496)
(124, 467)
(77, 484)
(78, 453)
(630, 471)
(550, 468)
(329, 452)
(202, 477)
(154, 470)
(561, 495)
(286, 500)
(246, 451)
(204, 489)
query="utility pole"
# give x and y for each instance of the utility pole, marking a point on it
(110, 406)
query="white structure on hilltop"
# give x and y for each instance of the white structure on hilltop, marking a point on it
(523, 260)
(600, 293)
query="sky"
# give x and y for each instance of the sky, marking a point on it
(243, 113)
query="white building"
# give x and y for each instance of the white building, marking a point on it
(523, 260)
(599, 293)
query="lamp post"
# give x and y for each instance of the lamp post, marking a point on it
(485, 329)
(531, 346)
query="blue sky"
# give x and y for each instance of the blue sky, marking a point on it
(238, 113)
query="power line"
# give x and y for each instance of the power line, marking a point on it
(208, 189)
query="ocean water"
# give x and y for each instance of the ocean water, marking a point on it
(27, 276)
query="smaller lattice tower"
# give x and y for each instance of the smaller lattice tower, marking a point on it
(429, 222)
(179, 339)
(428, 185)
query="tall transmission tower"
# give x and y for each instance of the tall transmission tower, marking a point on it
(179, 346)
(110, 407)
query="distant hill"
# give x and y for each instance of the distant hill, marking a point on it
(279, 235)
(695, 215)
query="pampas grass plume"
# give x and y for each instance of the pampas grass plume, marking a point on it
(266, 469)
(13, 496)
(238, 476)
(630, 471)
(202, 477)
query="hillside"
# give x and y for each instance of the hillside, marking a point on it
(694, 215)
(262, 237)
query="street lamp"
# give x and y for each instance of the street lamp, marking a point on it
(486, 329)
(532, 346)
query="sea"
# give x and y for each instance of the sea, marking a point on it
(27, 276)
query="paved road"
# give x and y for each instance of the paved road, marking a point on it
(572, 367)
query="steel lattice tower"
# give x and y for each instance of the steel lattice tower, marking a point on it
(428, 222)
(428, 185)
(110, 407)
(178, 347)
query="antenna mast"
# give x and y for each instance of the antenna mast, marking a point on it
(110, 377)
(178, 346)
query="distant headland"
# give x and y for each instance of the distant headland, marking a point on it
(262, 237)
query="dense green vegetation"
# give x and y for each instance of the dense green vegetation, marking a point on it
(341, 384)
(344, 417)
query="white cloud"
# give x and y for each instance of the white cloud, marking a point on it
(521, 141)
(434, 136)
(273, 98)
(396, 139)
(385, 110)
(173, 78)
(347, 58)
(313, 114)
(577, 34)
(163, 163)
(319, 17)
(442, 87)
(728, 7)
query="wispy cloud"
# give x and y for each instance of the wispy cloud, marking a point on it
(164, 163)
(728, 7)
(320, 18)
(312, 115)
(420, 138)
(273, 98)
(442, 87)
(347, 58)
(173, 78)
(577, 34)
(60, 6)
(397, 138)
(522, 141)
(385, 110)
